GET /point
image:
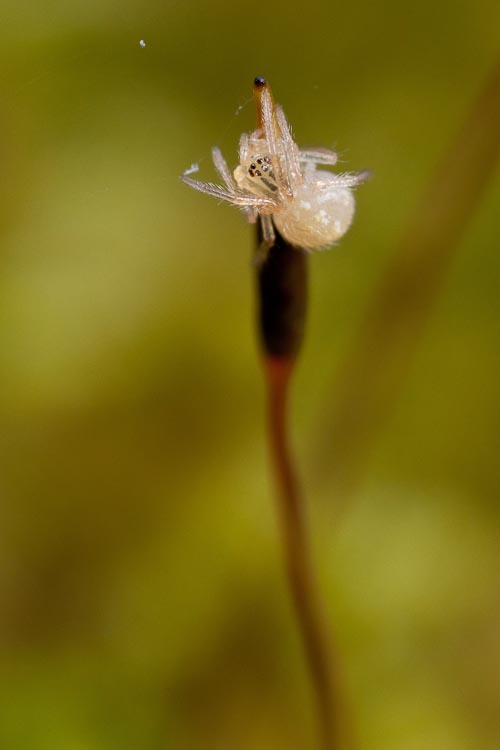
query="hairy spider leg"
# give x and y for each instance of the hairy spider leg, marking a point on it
(223, 169)
(252, 214)
(243, 147)
(318, 155)
(269, 126)
(236, 198)
(349, 179)
(291, 151)
(267, 229)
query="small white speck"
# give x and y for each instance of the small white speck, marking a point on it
(191, 170)
(142, 43)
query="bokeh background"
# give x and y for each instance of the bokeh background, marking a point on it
(143, 603)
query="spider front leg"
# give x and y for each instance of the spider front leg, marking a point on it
(269, 124)
(223, 169)
(243, 148)
(236, 197)
(291, 151)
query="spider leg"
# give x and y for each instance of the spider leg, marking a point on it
(243, 147)
(294, 176)
(269, 126)
(350, 179)
(268, 234)
(234, 197)
(268, 240)
(318, 155)
(251, 214)
(223, 169)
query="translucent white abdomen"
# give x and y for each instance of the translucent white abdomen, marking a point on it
(320, 213)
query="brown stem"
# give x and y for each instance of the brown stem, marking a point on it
(282, 295)
(297, 552)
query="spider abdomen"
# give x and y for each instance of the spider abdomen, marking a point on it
(319, 214)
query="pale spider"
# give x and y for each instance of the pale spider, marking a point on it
(281, 183)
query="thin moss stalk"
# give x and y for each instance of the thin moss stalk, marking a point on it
(282, 307)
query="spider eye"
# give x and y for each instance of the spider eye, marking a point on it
(261, 164)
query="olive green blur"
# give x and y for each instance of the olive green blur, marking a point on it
(143, 601)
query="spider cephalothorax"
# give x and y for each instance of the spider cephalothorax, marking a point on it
(282, 184)
(256, 176)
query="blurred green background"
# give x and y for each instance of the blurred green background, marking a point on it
(143, 603)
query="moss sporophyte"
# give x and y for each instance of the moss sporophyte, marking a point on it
(297, 206)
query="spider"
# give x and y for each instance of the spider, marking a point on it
(281, 183)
